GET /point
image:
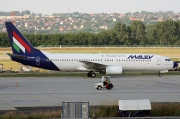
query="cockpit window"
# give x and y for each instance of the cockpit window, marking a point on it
(167, 60)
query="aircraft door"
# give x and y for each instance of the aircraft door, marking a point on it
(103, 58)
(37, 60)
(158, 61)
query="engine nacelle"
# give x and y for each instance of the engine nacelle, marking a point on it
(114, 70)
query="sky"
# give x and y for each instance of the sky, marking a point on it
(89, 6)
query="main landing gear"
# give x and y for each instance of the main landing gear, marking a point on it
(159, 74)
(91, 74)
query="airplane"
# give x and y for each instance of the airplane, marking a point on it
(26, 54)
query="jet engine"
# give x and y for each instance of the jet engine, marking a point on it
(114, 70)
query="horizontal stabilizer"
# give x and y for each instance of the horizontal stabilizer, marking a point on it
(16, 56)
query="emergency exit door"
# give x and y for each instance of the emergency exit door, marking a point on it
(158, 61)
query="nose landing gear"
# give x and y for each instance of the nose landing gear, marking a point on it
(160, 74)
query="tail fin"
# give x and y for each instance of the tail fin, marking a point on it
(19, 44)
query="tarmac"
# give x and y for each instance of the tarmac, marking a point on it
(16, 92)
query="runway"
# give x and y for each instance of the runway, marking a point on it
(51, 91)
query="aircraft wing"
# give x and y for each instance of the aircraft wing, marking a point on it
(16, 56)
(93, 65)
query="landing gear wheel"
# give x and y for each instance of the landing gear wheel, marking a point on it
(91, 74)
(88, 74)
(160, 74)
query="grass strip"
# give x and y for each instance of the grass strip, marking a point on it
(109, 109)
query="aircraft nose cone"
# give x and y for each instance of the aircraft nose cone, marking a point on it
(175, 65)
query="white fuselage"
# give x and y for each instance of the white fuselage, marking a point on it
(128, 62)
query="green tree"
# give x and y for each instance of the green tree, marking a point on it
(103, 38)
(26, 12)
(167, 32)
(138, 32)
(120, 34)
(4, 41)
(150, 35)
